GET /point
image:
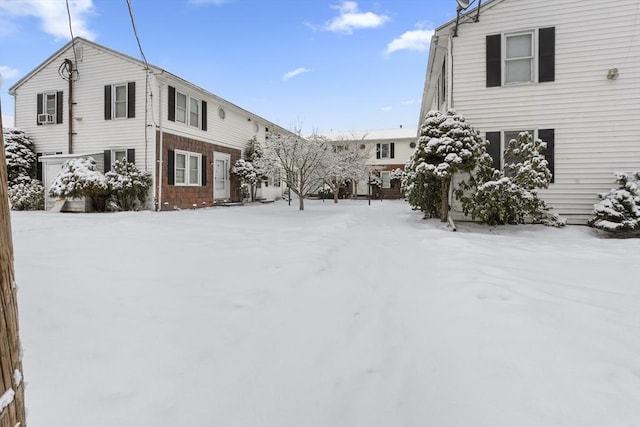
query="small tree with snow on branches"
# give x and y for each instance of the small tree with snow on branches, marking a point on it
(447, 145)
(128, 185)
(619, 210)
(79, 178)
(344, 162)
(299, 159)
(246, 173)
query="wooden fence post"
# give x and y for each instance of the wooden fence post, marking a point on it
(12, 413)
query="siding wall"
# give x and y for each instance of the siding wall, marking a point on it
(92, 133)
(596, 120)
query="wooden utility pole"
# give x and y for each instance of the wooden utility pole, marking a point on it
(12, 412)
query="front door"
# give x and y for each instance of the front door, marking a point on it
(221, 187)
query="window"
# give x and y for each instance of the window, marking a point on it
(498, 142)
(518, 61)
(49, 108)
(112, 156)
(181, 107)
(186, 109)
(385, 176)
(194, 112)
(513, 58)
(187, 168)
(120, 101)
(385, 150)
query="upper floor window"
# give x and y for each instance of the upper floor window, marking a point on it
(186, 109)
(385, 150)
(120, 101)
(513, 58)
(518, 60)
(49, 108)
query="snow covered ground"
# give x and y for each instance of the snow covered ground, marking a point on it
(342, 315)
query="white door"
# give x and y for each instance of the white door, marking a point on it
(221, 187)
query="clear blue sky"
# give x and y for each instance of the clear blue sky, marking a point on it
(316, 64)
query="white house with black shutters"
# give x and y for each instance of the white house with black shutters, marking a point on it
(89, 100)
(568, 72)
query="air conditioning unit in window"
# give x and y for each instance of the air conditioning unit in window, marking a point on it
(46, 119)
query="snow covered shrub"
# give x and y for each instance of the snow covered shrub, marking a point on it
(619, 209)
(26, 194)
(447, 145)
(246, 173)
(395, 175)
(79, 178)
(375, 181)
(128, 185)
(510, 197)
(20, 153)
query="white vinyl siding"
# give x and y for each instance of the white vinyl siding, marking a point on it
(595, 119)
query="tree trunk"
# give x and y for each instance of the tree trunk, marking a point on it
(444, 199)
(301, 202)
(11, 384)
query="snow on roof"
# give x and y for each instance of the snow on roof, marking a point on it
(395, 133)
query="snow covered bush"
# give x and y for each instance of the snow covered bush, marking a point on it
(619, 209)
(509, 197)
(375, 181)
(20, 153)
(395, 175)
(26, 194)
(246, 173)
(128, 185)
(79, 178)
(447, 145)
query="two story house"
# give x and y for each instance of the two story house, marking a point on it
(89, 100)
(568, 72)
(387, 150)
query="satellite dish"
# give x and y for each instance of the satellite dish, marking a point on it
(463, 4)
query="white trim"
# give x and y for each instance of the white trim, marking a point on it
(188, 159)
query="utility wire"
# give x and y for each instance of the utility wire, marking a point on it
(73, 40)
(135, 33)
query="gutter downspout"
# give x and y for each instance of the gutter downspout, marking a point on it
(450, 106)
(159, 168)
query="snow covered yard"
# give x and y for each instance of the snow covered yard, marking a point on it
(339, 316)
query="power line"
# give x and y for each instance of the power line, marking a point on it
(73, 40)
(135, 33)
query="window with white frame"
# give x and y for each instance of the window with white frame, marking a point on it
(181, 107)
(194, 112)
(385, 177)
(518, 60)
(385, 150)
(118, 155)
(49, 108)
(187, 168)
(120, 101)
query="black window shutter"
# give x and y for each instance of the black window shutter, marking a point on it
(204, 115)
(171, 158)
(171, 106)
(392, 150)
(494, 148)
(39, 107)
(548, 136)
(547, 53)
(107, 161)
(377, 151)
(107, 102)
(38, 167)
(494, 60)
(59, 107)
(204, 170)
(131, 100)
(131, 155)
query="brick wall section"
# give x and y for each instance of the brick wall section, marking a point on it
(394, 192)
(184, 197)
